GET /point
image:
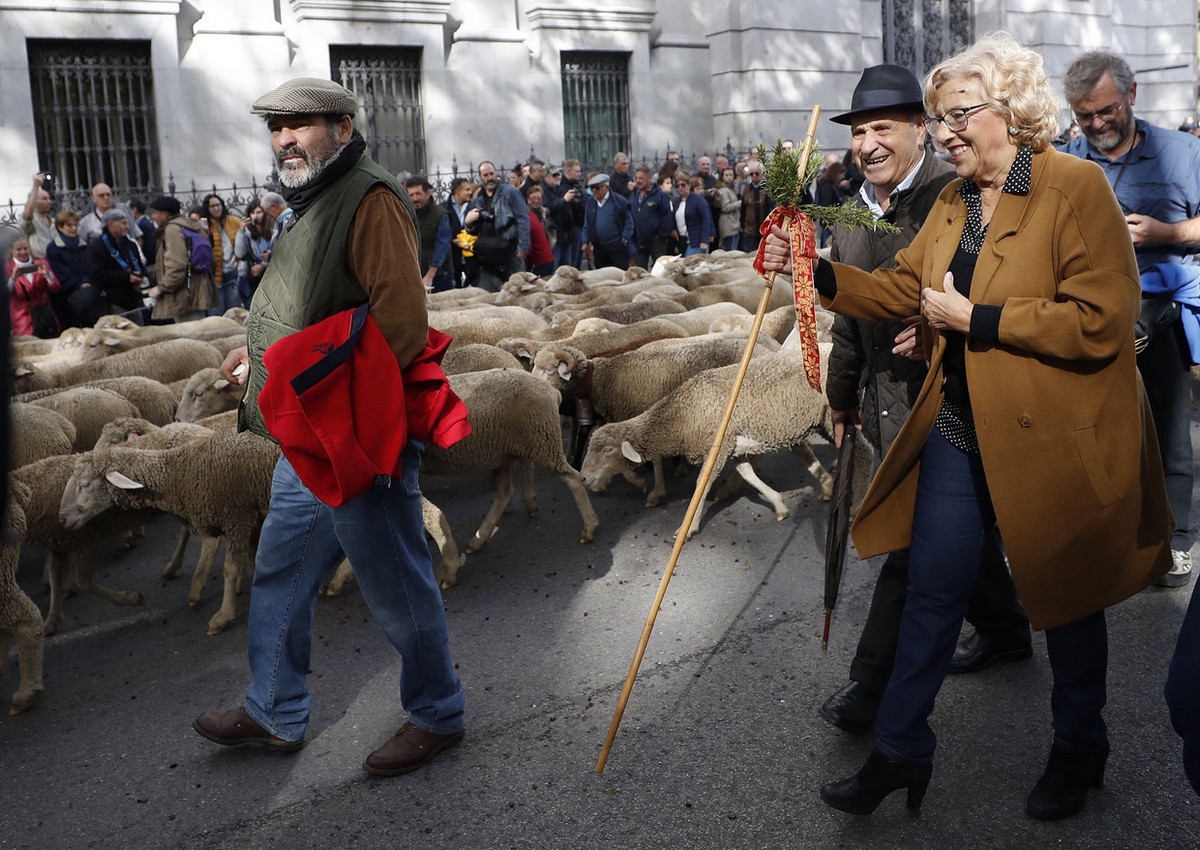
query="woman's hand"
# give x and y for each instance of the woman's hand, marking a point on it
(946, 310)
(777, 255)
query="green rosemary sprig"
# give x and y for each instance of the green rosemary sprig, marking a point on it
(784, 184)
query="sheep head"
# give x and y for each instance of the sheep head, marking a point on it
(94, 344)
(558, 364)
(123, 429)
(88, 493)
(608, 454)
(113, 322)
(205, 394)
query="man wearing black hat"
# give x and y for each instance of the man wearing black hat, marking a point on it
(351, 241)
(874, 380)
(179, 292)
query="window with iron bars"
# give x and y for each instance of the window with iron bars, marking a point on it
(595, 89)
(919, 34)
(387, 82)
(93, 112)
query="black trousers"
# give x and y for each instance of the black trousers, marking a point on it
(993, 609)
(1167, 377)
(612, 255)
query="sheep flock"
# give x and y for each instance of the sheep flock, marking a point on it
(589, 374)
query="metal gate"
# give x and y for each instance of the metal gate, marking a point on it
(919, 34)
(595, 89)
(93, 110)
(387, 81)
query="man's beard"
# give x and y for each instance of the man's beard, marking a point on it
(315, 161)
(1112, 136)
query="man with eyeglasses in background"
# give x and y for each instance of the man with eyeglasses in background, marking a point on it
(92, 223)
(756, 206)
(1155, 173)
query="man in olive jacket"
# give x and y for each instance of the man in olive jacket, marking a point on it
(179, 292)
(352, 240)
(874, 380)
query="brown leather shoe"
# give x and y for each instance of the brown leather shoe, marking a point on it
(407, 750)
(236, 728)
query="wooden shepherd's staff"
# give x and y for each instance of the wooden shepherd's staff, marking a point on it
(705, 474)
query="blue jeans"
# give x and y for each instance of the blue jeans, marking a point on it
(568, 249)
(382, 533)
(952, 518)
(730, 243)
(690, 250)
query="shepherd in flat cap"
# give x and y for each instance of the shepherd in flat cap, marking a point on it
(352, 240)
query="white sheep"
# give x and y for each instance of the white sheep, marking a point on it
(207, 393)
(626, 385)
(20, 620)
(625, 313)
(600, 343)
(776, 410)
(165, 361)
(214, 326)
(132, 432)
(70, 553)
(153, 399)
(514, 417)
(237, 314)
(218, 486)
(89, 410)
(489, 329)
(699, 320)
(38, 433)
(476, 357)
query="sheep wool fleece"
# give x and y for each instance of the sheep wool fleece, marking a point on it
(308, 279)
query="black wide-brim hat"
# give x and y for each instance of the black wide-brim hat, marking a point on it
(883, 87)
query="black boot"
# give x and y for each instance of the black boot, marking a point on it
(862, 793)
(851, 709)
(1063, 788)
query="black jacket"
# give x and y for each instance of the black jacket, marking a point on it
(110, 274)
(862, 363)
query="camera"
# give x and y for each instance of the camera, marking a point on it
(48, 182)
(487, 215)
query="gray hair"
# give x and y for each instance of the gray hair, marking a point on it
(272, 199)
(1084, 73)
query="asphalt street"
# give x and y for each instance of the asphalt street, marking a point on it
(721, 745)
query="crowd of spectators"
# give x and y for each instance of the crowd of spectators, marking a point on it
(67, 267)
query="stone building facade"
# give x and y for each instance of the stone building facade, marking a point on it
(135, 92)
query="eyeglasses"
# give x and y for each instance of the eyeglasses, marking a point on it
(1105, 115)
(102, 194)
(955, 119)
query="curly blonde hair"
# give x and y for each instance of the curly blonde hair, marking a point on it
(1013, 79)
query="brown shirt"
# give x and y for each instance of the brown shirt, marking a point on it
(383, 254)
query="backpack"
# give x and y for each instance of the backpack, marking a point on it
(200, 252)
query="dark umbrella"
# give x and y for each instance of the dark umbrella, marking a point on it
(839, 526)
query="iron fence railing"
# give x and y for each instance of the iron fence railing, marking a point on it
(237, 194)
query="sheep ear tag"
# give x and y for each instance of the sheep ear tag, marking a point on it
(629, 452)
(118, 479)
(564, 371)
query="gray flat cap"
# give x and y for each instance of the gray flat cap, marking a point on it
(307, 96)
(115, 214)
(598, 179)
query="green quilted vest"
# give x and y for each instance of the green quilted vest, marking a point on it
(307, 279)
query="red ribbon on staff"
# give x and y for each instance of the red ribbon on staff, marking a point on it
(799, 228)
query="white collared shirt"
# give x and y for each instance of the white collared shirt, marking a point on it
(867, 191)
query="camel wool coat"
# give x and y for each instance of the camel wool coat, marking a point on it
(1065, 432)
